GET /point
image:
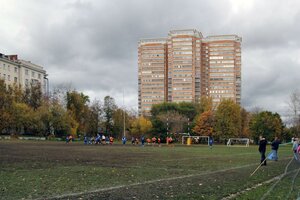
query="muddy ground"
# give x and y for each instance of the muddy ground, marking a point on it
(145, 173)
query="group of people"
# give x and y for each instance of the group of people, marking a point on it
(263, 147)
(143, 140)
(149, 141)
(99, 139)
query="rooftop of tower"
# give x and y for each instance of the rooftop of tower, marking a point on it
(153, 40)
(191, 32)
(222, 37)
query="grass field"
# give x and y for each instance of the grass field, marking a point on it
(55, 170)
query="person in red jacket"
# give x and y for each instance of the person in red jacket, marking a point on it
(153, 141)
(158, 141)
(111, 140)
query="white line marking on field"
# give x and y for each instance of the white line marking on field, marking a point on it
(232, 196)
(292, 184)
(144, 183)
(279, 179)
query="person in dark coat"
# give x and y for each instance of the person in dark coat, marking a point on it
(262, 150)
(275, 146)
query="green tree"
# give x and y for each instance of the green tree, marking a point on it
(228, 119)
(93, 118)
(6, 102)
(22, 118)
(267, 124)
(32, 95)
(43, 119)
(109, 107)
(62, 122)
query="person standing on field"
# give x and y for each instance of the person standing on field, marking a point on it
(210, 141)
(275, 146)
(295, 147)
(262, 150)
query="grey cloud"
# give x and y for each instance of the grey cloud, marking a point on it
(93, 44)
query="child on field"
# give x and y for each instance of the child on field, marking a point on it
(132, 140)
(153, 141)
(111, 140)
(124, 140)
(148, 141)
(143, 140)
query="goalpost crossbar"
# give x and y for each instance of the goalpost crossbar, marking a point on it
(238, 142)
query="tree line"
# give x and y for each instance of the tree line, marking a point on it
(70, 112)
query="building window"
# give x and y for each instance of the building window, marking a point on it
(4, 67)
(8, 68)
(4, 76)
(8, 77)
(26, 71)
(32, 74)
(39, 76)
(16, 79)
(16, 69)
(26, 82)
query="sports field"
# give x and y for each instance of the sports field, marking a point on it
(55, 170)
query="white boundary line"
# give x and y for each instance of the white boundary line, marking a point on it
(279, 179)
(143, 183)
(231, 196)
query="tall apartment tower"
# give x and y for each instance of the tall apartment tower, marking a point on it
(185, 66)
(221, 68)
(151, 73)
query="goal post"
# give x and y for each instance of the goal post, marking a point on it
(196, 139)
(238, 142)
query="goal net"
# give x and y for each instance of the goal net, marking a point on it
(196, 139)
(240, 142)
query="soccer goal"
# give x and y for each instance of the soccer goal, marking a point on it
(196, 139)
(238, 142)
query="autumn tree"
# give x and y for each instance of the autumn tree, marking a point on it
(204, 104)
(78, 108)
(228, 119)
(245, 119)
(140, 126)
(204, 124)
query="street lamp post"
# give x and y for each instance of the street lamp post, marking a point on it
(47, 85)
(189, 126)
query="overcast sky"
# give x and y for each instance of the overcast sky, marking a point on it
(93, 44)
